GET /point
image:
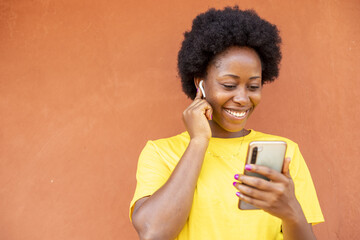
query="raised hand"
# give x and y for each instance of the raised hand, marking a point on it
(196, 118)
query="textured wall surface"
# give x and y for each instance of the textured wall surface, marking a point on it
(84, 84)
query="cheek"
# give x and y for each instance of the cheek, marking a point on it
(256, 98)
(215, 99)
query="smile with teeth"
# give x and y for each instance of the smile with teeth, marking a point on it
(238, 114)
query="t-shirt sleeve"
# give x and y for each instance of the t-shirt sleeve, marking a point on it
(304, 189)
(152, 173)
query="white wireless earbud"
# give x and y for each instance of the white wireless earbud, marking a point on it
(201, 88)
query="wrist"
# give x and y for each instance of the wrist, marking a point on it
(296, 216)
(200, 141)
(295, 226)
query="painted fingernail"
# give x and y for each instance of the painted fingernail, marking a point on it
(197, 90)
(239, 195)
(211, 117)
(248, 167)
(234, 183)
(236, 176)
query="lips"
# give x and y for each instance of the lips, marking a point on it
(238, 114)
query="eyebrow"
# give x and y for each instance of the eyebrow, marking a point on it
(236, 76)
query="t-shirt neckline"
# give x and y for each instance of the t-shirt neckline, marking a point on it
(235, 139)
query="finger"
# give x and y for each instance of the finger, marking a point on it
(198, 94)
(257, 182)
(255, 202)
(204, 107)
(252, 192)
(194, 103)
(271, 174)
(286, 170)
(198, 102)
(209, 112)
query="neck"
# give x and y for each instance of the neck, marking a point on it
(225, 134)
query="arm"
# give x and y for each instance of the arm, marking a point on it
(163, 215)
(276, 197)
(298, 229)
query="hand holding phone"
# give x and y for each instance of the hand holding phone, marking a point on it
(270, 154)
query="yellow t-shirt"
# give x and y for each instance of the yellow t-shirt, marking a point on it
(214, 213)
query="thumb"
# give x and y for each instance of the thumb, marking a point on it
(209, 112)
(286, 170)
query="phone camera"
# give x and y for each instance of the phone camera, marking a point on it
(254, 155)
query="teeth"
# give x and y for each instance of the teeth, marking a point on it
(236, 114)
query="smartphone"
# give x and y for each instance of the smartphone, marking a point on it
(265, 153)
(202, 88)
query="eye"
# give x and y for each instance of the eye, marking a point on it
(253, 87)
(228, 86)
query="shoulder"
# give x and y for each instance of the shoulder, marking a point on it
(182, 138)
(167, 148)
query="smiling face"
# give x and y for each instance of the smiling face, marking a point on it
(233, 89)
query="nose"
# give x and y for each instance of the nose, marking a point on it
(241, 96)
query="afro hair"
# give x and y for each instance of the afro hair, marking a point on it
(216, 30)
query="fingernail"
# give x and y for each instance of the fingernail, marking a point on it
(236, 176)
(248, 167)
(234, 183)
(211, 117)
(239, 195)
(197, 90)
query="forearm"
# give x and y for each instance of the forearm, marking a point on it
(297, 227)
(163, 215)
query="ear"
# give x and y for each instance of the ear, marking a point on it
(197, 81)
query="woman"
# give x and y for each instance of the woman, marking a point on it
(189, 185)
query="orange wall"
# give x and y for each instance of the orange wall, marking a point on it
(85, 83)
